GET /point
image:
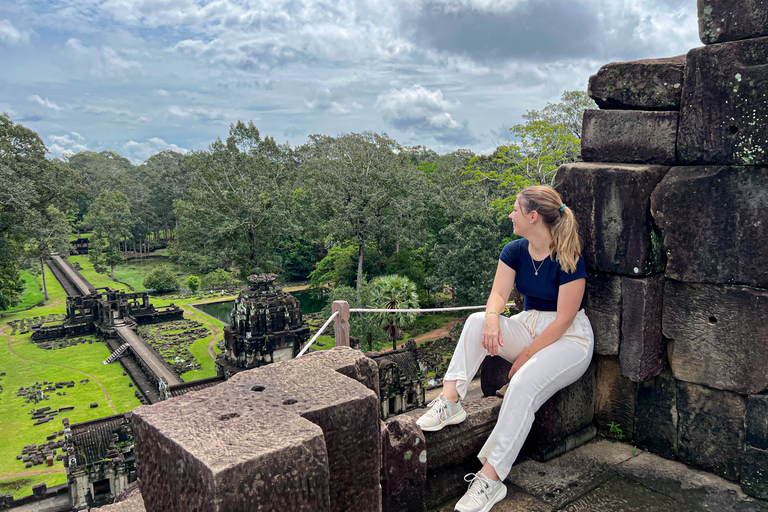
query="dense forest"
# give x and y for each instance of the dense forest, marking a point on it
(339, 209)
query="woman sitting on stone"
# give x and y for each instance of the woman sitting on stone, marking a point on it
(550, 342)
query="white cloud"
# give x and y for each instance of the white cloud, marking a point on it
(104, 61)
(66, 145)
(45, 102)
(10, 35)
(137, 152)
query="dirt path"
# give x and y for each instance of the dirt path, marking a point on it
(10, 349)
(431, 335)
(215, 329)
(33, 473)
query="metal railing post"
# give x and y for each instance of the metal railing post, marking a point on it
(341, 322)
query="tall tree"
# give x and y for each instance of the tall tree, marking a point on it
(29, 182)
(362, 181)
(110, 218)
(237, 206)
(47, 232)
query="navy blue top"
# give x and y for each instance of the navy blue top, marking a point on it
(540, 290)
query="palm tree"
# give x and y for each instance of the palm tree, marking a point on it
(394, 292)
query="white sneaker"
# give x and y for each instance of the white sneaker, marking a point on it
(442, 412)
(482, 495)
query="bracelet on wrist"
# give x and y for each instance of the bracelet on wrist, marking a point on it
(492, 312)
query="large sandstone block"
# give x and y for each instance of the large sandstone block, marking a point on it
(603, 308)
(756, 422)
(649, 84)
(629, 137)
(711, 429)
(216, 450)
(345, 410)
(717, 335)
(723, 110)
(726, 20)
(714, 224)
(403, 465)
(754, 472)
(568, 412)
(642, 346)
(611, 203)
(616, 398)
(656, 415)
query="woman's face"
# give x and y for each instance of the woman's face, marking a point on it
(519, 219)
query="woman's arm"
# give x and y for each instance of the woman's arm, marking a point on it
(502, 288)
(568, 301)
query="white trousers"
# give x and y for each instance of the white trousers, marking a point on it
(552, 368)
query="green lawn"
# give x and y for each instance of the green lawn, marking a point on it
(72, 238)
(77, 363)
(32, 293)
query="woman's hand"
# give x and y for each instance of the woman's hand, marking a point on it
(519, 362)
(492, 339)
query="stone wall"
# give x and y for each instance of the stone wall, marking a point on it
(672, 199)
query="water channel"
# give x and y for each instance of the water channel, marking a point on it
(223, 310)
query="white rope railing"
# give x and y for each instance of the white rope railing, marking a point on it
(362, 310)
(318, 333)
(429, 310)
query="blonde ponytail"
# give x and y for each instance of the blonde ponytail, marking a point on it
(565, 246)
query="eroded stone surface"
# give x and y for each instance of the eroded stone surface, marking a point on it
(711, 428)
(642, 346)
(756, 422)
(682, 483)
(725, 20)
(714, 224)
(612, 207)
(349, 362)
(717, 335)
(615, 401)
(134, 503)
(628, 496)
(603, 308)
(630, 137)
(650, 84)
(754, 472)
(217, 450)
(494, 374)
(724, 105)
(345, 410)
(656, 415)
(403, 465)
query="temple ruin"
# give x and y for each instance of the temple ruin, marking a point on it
(266, 326)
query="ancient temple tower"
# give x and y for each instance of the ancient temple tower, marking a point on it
(266, 327)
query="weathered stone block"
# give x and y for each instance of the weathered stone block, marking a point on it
(569, 411)
(217, 450)
(754, 473)
(717, 335)
(650, 84)
(612, 206)
(727, 248)
(615, 400)
(656, 415)
(603, 308)
(494, 374)
(711, 429)
(725, 20)
(756, 422)
(349, 362)
(630, 137)
(642, 346)
(723, 106)
(458, 442)
(345, 410)
(403, 465)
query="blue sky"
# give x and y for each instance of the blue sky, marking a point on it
(141, 76)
